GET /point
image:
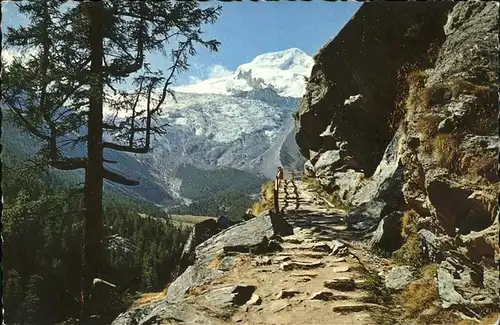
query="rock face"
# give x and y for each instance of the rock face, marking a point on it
(353, 97)
(417, 131)
(399, 277)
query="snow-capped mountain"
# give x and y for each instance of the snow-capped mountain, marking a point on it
(282, 71)
(243, 121)
(209, 130)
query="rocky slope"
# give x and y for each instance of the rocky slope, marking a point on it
(270, 270)
(412, 141)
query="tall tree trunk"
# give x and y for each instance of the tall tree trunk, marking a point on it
(92, 247)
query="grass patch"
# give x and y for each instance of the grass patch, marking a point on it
(446, 150)
(459, 87)
(332, 197)
(408, 223)
(377, 294)
(410, 253)
(483, 120)
(428, 125)
(266, 201)
(434, 95)
(435, 315)
(416, 79)
(429, 271)
(418, 297)
(421, 296)
(148, 298)
(478, 167)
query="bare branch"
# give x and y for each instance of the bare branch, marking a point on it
(69, 163)
(27, 124)
(117, 178)
(118, 147)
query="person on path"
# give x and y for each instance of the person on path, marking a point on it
(223, 222)
(279, 176)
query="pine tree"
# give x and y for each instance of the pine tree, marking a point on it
(85, 50)
(12, 294)
(31, 301)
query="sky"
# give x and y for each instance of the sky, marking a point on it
(247, 29)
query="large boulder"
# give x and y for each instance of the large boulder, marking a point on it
(381, 194)
(213, 258)
(466, 286)
(164, 312)
(387, 236)
(254, 235)
(399, 277)
(463, 283)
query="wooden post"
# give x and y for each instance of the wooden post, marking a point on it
(276, 196)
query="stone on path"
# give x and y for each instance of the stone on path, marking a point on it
(233, 295)
(254, 300)
(285, 294)
(278, 305)
(354, 307)
(327, 296)
(304, 279)
(262, 260)
(287, 266)
(341, 284)
(339, 248)
(339, 260)
(341, 269)
(399, 277)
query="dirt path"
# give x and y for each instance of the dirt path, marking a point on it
(318, 277)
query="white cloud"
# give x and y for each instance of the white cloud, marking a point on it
(194, 80)
(218, 71)
(201, 72)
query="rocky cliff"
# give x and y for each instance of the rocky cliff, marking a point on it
(400, 122)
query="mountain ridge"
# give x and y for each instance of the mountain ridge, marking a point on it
(282, 71)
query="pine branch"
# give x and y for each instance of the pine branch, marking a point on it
(118, 147)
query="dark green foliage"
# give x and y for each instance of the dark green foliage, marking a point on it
(43, 233)
(202, 184)
(233, 202)
(220, 191)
